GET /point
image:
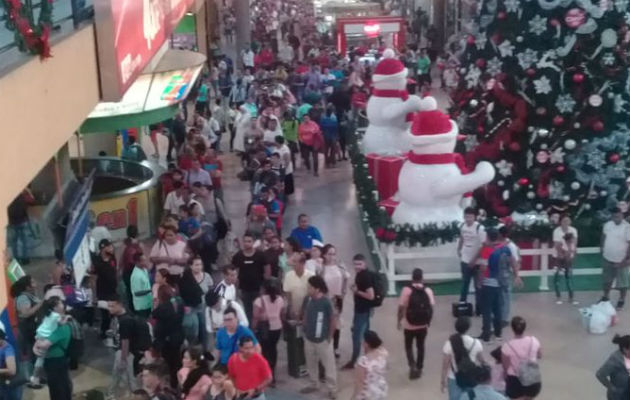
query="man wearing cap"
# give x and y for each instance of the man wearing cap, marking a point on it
(104, 272)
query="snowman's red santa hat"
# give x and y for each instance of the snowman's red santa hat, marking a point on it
(431, 125)
(389, 68)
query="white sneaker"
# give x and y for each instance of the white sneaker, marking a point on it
(109, 342)
(558, 301)
(575, 302)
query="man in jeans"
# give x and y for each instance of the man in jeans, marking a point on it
(494, 254)
(251, 271)
(318, 321)
(363, 289)
(123, 370)
(471, 238)
(295, 287)
(412, 331)
(615, 244)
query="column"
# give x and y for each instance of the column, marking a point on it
(243, 27)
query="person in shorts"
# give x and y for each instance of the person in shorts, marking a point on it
(615, 245)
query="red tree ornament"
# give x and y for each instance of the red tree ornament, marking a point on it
(614, 158)
(598, 126)
(578, 77)
(523, 181)
(558, 120)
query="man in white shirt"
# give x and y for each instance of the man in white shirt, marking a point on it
(285, 157)
(216, 307)
(197, 174)
(295, 287)
(615, 246)
(174, 199)
(471, 237)
(248, 58)
(227, 287)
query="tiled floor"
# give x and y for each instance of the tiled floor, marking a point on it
(570, 354)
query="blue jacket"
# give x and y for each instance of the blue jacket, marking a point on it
(330, 127)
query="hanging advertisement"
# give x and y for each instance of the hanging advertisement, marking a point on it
(129, 33)
(77, 227)
(150, 92)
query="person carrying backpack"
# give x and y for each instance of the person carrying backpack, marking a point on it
(520, 359)
(415, 310)
(461, 355)
(496, 257)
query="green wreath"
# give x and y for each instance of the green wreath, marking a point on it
(19, 20)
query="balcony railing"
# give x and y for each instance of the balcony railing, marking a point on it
(67, 15)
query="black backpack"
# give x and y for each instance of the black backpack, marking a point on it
(141, 335)
(419, 309)
(466, 374)
(380, 283)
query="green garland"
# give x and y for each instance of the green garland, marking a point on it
(28, 36)
(428, 235)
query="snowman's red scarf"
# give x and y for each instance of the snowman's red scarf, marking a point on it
(398, 94)
(442, 158)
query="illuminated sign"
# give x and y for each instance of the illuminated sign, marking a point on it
(372, 29)
(150, 92)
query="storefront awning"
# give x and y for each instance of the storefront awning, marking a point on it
(153, 97)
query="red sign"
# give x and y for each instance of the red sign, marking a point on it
(372, 29)
(129, 33)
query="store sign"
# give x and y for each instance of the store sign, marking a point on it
(129, 33)
(372, 29)
(150, 92)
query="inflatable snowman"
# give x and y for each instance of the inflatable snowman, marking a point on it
(389, 109)
(433, 179)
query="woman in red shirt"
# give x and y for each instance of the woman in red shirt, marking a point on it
(310, 136)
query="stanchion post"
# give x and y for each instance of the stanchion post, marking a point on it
(391, 270)
(544, 267)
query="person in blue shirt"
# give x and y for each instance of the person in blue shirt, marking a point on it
(305, 233)
(8, 369)
(188, 225)
(493, 255)
(229, 335)
(330, 128)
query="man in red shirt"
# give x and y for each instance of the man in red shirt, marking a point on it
(249, 370)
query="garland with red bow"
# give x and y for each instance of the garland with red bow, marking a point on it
(29, 38)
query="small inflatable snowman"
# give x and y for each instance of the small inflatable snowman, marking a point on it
(389, 109)
(433, 179)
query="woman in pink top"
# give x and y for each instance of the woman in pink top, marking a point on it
(194, 377)
(521, 348)
(267, 321)
(310, 136)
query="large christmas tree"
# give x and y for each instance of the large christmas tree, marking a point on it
(544, 95)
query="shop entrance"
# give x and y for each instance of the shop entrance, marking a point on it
(365, 31)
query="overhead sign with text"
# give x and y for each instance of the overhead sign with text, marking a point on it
(129, 33)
